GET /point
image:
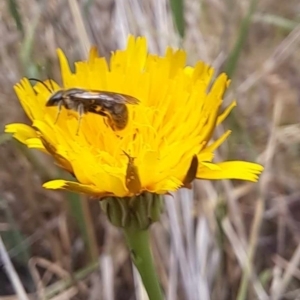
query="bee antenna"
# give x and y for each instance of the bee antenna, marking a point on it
(51, 83)
(42, 82)
(126, 153)
(129, 157)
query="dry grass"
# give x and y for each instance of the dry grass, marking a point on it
(226, 240)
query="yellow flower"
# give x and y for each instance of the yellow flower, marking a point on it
(167, 141)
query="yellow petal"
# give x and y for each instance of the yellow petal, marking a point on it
(35, 143)
(60, 160)
(76, 187)
(26, 96)
(93, 54)
(65, 68)
(230, 170)
(212, 147)
(21, 132)
(227, 111)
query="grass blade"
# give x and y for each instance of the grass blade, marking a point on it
(79, 208)
(13, 238)
(11, 272)
(278, 21)
(14, 11)
(178, 16)
(233, 58)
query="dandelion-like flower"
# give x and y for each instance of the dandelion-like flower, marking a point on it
(167, 141)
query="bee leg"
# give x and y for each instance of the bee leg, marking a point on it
(58, 111)
(105, 121)
(80, 111)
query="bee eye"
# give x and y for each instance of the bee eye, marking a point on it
(57, 95)
(55, 99)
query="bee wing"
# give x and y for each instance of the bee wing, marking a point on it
(120, 98)
(105, 96)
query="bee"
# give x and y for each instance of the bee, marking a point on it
(110, 105)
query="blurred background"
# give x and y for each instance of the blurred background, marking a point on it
(223, 240)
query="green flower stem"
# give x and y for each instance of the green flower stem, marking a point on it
(135, 215)
(138, 243)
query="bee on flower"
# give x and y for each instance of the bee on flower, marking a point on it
(164, 141)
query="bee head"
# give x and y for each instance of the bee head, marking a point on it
(55, 99)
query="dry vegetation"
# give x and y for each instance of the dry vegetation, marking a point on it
(227, 240)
